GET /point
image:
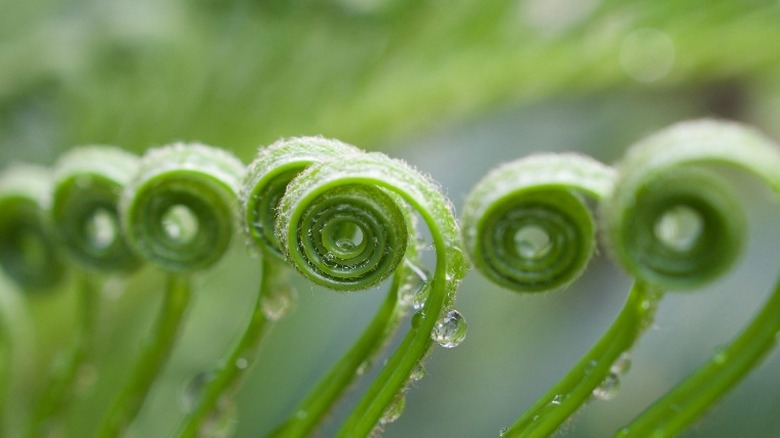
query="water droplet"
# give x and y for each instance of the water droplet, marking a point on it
(242, 363)
(301, 414)
(721, 356)
(222, 422)
(418, 373)
(503, 431)
(279, 302)
(622, 364)
(557, 399)
(194, 388)
(394, 411)
(450, 330)
(608, 389)
(362, 368)
(345, 244)
(415, 288)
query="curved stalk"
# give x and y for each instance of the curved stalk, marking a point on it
(63, 384)
(224, 380)
(155, 352)
(593, 370)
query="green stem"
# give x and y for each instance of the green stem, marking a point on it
(395, 373)
(130, 399)
(576, 388)
(64, 380)
(226, 377)
(691, 398)
(313, 410)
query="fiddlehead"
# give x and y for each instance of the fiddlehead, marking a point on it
(268, 176)
(348, 201)
(179, 214)
(525, 225)
(88, 182)
(29, 254)
(344, 234)
(85, 201)
(179, 211)
(672, 223)
(263, 186)
(28, 251)
(528, 228)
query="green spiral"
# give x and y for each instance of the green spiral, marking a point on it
(348, 239)
(673, 222)
(355, 238)
(526, 225)
(263, 186)
(29, 253)
(269, 174)
(179, 210)
(351, 203)
(88, 182)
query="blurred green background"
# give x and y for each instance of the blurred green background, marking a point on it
(453, 86)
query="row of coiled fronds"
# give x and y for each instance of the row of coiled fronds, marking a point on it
(346, 220)
(665, 215)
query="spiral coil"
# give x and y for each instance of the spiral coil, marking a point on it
(28, 250)
(674, 223)
(87, 184)
(179, 212)
(346, 220)
(526, 225)
(268, 176)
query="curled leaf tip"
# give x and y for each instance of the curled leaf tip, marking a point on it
(29, 253)
(88, 182)
(671, 220)
(179, 211)
(269, 174)
(526, 225)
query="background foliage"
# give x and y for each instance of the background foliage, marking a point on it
(453, 86)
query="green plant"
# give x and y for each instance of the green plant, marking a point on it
(346, 219)
(670, 223)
